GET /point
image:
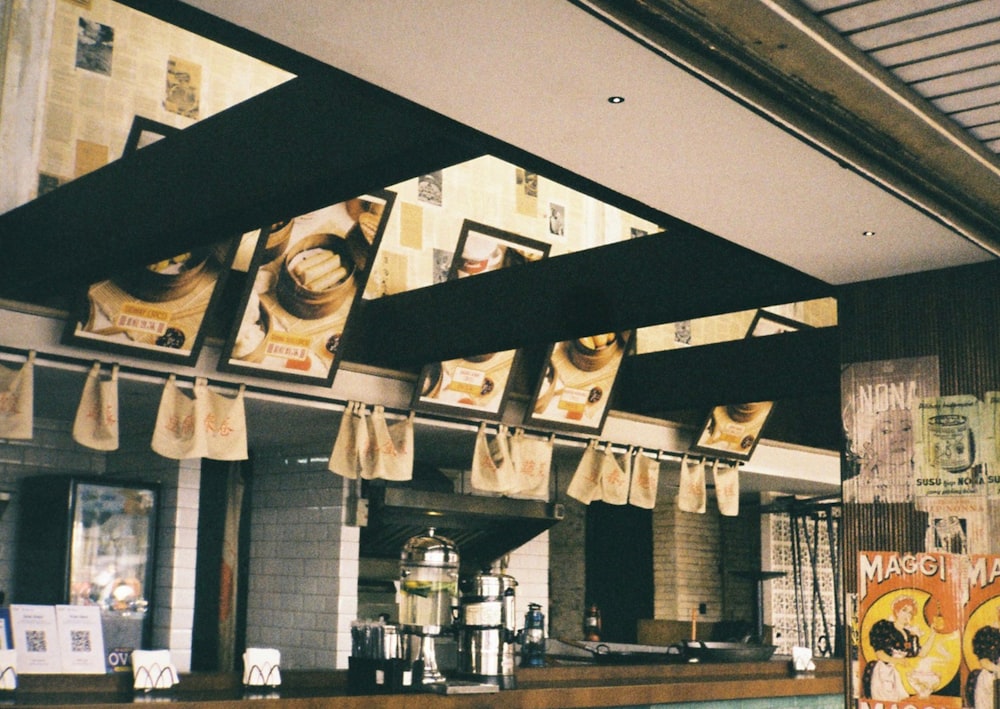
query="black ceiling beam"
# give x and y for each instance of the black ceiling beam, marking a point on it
(768, 368)
(676, 275)
(295, 148)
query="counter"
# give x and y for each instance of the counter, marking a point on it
(556, 687)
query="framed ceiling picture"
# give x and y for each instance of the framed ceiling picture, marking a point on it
(767, 323)
(733, 430)
(575, 388)
(477, 384)
(158, 311)
(305, 277)
(145, 131)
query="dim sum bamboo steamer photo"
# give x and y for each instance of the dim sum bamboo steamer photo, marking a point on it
(316, 276)
(169, 279)
(592, 353)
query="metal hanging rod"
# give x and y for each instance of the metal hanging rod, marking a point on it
(153, 376)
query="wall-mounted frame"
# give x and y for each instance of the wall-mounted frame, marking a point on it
(575, 388)
(732, 431)
(477, 384)
(305, 277)
(768, 323)
(145, 131)
(158, 310)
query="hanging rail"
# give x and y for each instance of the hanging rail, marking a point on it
(153, 376)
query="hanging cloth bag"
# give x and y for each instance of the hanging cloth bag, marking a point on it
(586, 483)
(391, 446)
(531, 463)
(177, 434)
(691, 492)
(345, 457)
(96, 422)
(727, 488)
(645, 478)
(616, 471)
(17, 400)
(224, 424)
(492, 468)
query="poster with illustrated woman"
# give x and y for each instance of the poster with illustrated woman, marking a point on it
(909, 618)
(981, 632)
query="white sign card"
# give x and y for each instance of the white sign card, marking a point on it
(35, 639)
(81, 639)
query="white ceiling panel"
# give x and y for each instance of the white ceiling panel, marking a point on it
(966, 60)
(963, 80)
(936, 45)
(538, 75)
(943, 27)
(850, 16)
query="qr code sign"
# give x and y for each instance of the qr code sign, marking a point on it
(80, 640)
(35, 641)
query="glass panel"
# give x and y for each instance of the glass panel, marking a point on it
(112, 531)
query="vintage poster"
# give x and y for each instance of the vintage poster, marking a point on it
(909, 625)
(956, 524)
(183, 90)
(947, 440)
(990, 422)
(94, 46)
(981, 632)
(879, 401)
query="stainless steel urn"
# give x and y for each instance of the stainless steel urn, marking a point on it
(486, 632)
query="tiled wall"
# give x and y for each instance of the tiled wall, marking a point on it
(688, 567)
(304, 559)
(52, 450)
(817, 610)
(304, 563)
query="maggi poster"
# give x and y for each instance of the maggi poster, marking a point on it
(981, 632)
(910, 639)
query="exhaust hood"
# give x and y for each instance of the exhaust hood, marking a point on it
(483, 528)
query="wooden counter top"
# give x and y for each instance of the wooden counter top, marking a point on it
(555, 687)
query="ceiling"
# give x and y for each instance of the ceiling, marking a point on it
(766, 142)
(723, 158)
(947, 52)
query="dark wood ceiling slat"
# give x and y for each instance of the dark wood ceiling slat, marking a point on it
(768, 368)
(677, 275)
(300, 146)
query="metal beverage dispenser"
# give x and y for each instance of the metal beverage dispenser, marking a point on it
(486, 633)
(428, 589)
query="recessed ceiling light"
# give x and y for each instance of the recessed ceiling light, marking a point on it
(616, 99)
(868, 232)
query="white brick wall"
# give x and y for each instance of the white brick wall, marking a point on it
(529, 564)
(304, 560)
(688, 564)
(53, 451)
(685, 561)
(303, 563)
